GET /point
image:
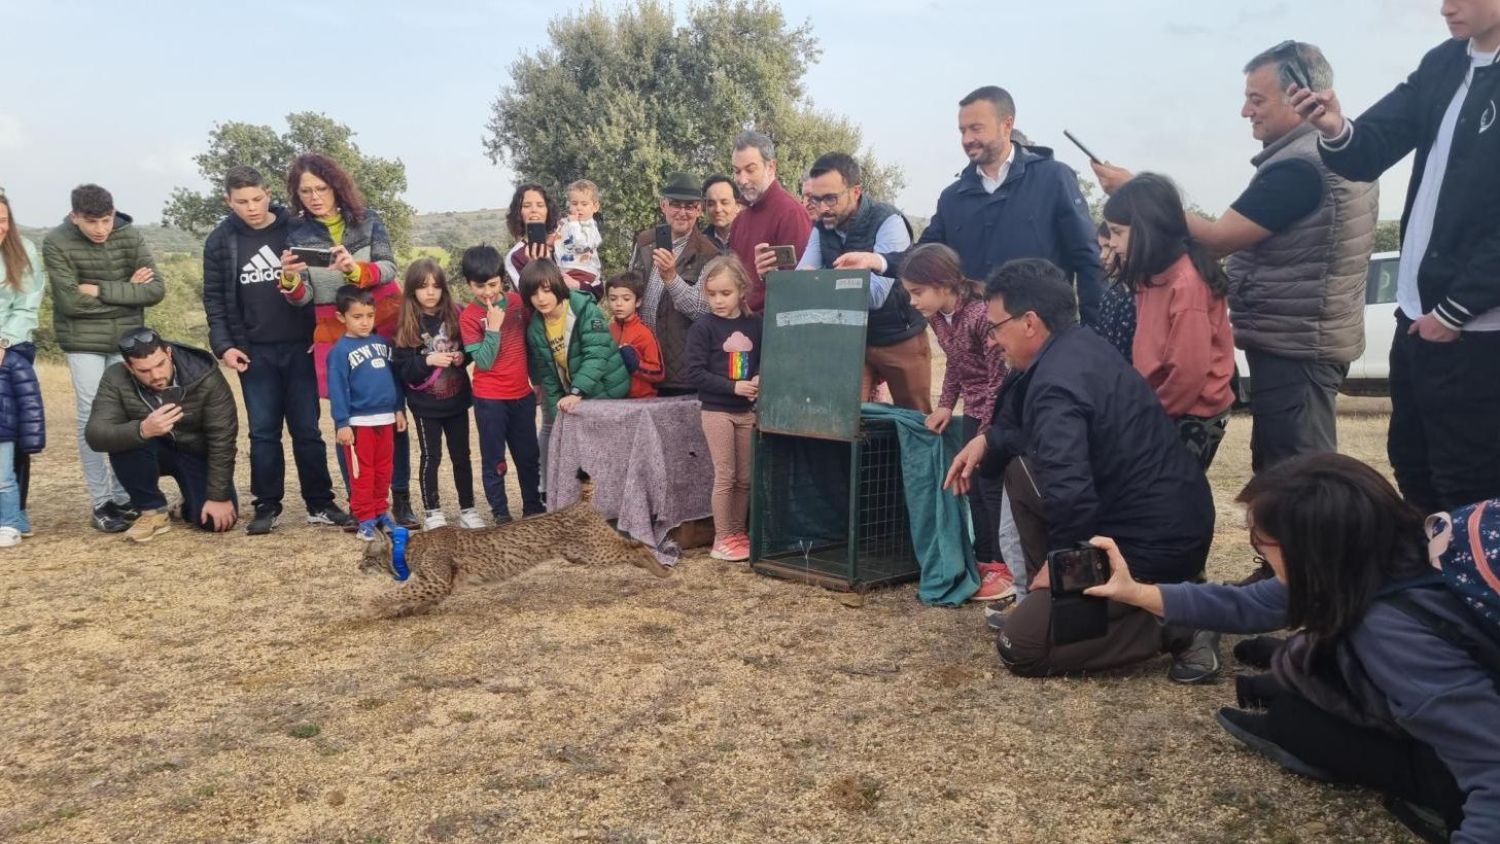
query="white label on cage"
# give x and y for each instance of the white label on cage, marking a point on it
(821, 316)
(848, 283)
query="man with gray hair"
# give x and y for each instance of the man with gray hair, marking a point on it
(771, 217)
(1298, 241)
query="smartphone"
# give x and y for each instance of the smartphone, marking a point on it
(1079, 144)
(314, 256)
(664, 237)
(786, 257)
(1298, 71)
(536, 232)
(1076, 569)
(172, 395)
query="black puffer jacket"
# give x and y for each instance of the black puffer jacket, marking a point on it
(209, 425)
(22, 420)
(221, 287)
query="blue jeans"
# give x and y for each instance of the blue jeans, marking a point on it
(281, 388)
(510, 422)
(86, 368)
(140, 471)
(11, 514)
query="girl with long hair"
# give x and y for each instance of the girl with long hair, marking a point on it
(23, 429)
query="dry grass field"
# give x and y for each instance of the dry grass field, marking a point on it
(232, 689)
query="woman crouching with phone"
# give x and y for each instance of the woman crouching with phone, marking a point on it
(1363, 692)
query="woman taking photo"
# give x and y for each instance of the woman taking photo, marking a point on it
(1183, 343)
(1364, 692)
(330, 214)
(530, 206)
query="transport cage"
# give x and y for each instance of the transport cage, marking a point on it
(831, 512)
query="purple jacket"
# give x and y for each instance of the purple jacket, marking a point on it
(973, 372)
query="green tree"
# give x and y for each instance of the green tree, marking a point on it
(382, 180)
(1388, 236)
(623, 99)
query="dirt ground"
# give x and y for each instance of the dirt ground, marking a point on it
(231, 689)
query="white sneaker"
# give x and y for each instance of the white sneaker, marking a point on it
(470, 518)
(9, 537)
(435, 519)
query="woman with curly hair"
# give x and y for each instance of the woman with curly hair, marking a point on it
(530, 205)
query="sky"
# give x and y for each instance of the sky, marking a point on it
(124, 94)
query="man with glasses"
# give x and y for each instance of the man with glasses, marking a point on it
(897, 350)
(673, 299)
(1298, 241)
(166, 410)
(103, 279)
(1086, 450)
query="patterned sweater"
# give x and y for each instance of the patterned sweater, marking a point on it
(973, 372)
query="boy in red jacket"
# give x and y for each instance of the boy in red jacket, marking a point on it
(637, 344)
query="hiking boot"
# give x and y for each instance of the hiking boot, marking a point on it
(150, 523)
(435, 519)
(1257, 651)
(107, 520)
(9, 537)
(127, 511)
(265, 521)
(996, 583)
(329, 514)
(401, 510)
(1199, 662)
(1253, 729)
(469, 518)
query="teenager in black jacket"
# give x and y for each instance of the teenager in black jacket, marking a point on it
(1445, 360)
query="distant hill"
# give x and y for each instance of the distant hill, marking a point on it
(161, 239)
(456, 230)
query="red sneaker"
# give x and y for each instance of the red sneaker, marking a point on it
(995, 583)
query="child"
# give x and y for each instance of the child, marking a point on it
(723, 360)
(1183, 343)
(573, 356)
(493, 329)
(23, 429)
(637, 344)
(578, 239)
(529, 205)
(366, 406)
(430, 359)
(955, 308)
(1117, 305)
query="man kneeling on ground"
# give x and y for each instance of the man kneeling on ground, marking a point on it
(1086, 449)
(167, 410)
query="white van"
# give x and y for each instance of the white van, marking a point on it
(1369, 375)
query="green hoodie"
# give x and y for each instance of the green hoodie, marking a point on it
(94, 324)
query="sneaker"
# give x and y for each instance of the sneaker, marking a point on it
(995, 614)
(148, 525)
(470, 518)
(1199, 662)
(996, 583)
(265, 521)
(9, 537)
(435, 519)
(729, 550)
(502, 519)
(107, 520)
(366, 531)
(401, 510)
(329, 514)
(1253, 729)
(124, 509)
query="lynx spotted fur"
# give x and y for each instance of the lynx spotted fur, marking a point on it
(442, 558)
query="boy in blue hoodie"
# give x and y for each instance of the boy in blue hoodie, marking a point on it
(366, 405)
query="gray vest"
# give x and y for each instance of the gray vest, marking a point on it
(1300, 293)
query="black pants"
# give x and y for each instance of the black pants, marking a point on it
(984, 506)
(281, 389)
(1294, 405)
(140, 472)
(430, 434)
(509, 422)
(1444, 440)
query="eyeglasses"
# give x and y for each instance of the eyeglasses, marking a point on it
(1297, 69)
(314, 191)
(827, 199)
(995, 326)
(684, 204)
(136, 339)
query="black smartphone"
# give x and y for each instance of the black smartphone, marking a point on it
(536, 232)
(664, 237)
(1075, 569)
(786, 257)
(314, 256)
(172, 395)
(1077, 143)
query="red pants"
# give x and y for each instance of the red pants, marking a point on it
(370, 470)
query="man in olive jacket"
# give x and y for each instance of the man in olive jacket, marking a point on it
(167, 410)
(103, 279)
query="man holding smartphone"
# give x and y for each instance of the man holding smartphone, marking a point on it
(670, 257)
(1298, 241)
(771, 217)
(166, 410)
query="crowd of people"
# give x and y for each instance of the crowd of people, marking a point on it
(1093, 361)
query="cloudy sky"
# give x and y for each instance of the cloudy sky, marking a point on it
(125, 94)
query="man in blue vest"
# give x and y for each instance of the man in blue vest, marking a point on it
(897, 350)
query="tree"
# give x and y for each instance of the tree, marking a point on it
(381, 180)
(1388, 236)
(625, 99)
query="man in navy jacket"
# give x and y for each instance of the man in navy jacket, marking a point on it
(1012, 201)
(1444, 440)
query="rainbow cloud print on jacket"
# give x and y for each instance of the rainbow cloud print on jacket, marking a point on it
(738, 347)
